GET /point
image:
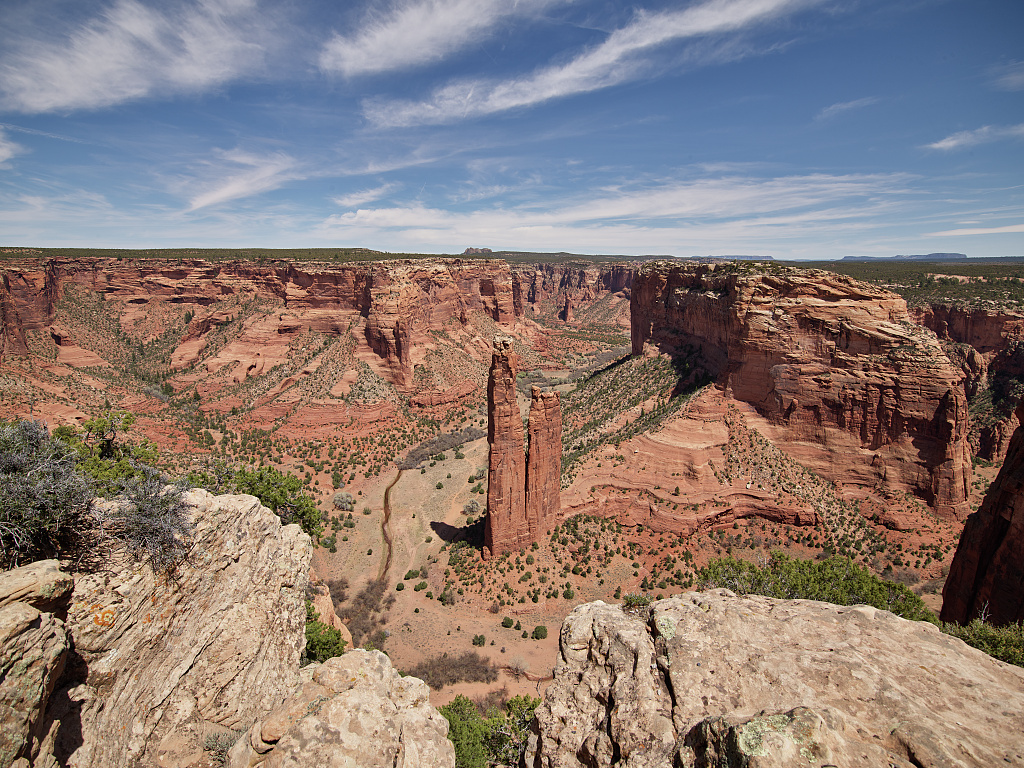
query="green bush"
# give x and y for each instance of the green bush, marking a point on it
(1004, 643)
(282, 493)
(479, 640)
(833, 580)
(540, 632)
(323, 641)
(466, 730)
(507, 622)
(497, 739)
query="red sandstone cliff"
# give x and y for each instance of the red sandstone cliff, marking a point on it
(987, 573)
(988, 345)
(544, 467)
(506, 529)
(391, 306)
(858, 390)
(563, 289)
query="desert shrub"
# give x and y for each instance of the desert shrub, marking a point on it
(479, 640)
(540, 632)
(344, 501)
(219, 744)
(150, 519)
(323, 641)
(444, 670)
(1004, 643)
(507, 622)
(832, 580)
(44, 500)
(439, 444)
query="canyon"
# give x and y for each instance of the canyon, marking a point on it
(676, 413)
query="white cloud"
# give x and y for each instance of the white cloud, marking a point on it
(1009, 77)
(364, 196)
(131, 51)
(983, 135)
(243, 174)
(845, 106)
(1010, 229)
(417, 32)
(614, 61)
(737, 212)
(8, 148)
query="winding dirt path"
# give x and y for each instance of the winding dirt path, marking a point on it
(385, 529)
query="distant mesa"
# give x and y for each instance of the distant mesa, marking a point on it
(913, 257)
(476, 251)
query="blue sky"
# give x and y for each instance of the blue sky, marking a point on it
(787, 128)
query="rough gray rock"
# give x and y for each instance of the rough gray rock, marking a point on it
(712, 679)
(33, 649)
(353, 710)
(170, 660)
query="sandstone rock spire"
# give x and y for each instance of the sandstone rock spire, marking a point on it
(505, 529)
(544, 466)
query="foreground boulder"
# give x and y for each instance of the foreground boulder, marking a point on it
(34, 646)
(351, 710)
(712, 679)
(166, 661)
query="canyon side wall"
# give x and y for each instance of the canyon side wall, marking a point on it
(391, 307)
(857, 390)
(988, 345)
(986, 577)
(563, 289)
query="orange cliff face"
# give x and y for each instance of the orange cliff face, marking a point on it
(390, 308)
(854, 389)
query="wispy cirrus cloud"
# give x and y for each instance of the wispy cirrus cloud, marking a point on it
(618, 59)
(242, 174)
(845, 106)
(984, 135)
(418, 32)
(1005, 230)
(8, 148)
(706, 213)
(364, 196)
(130, 51)
(1009, 77)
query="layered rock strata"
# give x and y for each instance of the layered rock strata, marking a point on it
(986, 577)
(167, 659)
(715, 679)
(834, 362)
(391, 307)
(506, 528)
(544, 465)
(34, 647)
(354, 709)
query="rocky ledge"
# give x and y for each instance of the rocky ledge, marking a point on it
(713, 679)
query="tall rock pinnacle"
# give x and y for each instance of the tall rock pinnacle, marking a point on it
(506, 528)
(544, 469)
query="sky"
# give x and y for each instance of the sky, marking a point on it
(796, 129)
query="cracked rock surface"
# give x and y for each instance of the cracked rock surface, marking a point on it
(713, 679)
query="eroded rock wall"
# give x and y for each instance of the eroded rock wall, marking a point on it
(391, 307)
(835, 362)
(564, 288)
(986, 577)
(715, 679)
(506, 528)
(544, 464)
